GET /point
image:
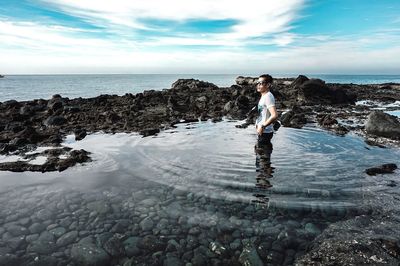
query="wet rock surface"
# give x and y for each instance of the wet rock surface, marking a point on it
(375, 242)
(383, 125)
(152, 224)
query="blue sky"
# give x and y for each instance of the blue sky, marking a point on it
(207, 36)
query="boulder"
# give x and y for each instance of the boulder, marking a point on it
(294, 118)
(299, 81)
(383, 125)
(192, 85)
(315, 91)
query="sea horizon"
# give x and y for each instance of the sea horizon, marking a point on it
(33, 86)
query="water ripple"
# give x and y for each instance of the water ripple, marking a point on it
(312, 167)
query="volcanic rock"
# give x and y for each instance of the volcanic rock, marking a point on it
(383, 125)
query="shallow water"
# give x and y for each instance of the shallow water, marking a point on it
(200, 181)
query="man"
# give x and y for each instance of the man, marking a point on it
(267, 115)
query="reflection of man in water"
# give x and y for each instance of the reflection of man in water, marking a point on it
(264, 124)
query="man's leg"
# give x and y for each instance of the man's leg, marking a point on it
(263, 151)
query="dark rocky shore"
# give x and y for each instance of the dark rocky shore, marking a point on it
(24, 126)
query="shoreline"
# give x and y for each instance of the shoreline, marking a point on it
(26, 125)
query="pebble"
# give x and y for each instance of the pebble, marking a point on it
(67, 239)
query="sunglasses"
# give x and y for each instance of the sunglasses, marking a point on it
(261, 83)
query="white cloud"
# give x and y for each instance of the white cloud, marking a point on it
(256, 17)
(36, 38)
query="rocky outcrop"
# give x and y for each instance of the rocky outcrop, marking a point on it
(295, 118)
(341, 244)
(315, 91)
(383, 125)
(53, 162)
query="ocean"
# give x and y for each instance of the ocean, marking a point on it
(28, 87)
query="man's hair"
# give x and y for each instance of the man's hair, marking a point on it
(267, 78)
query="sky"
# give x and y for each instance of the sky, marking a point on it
(199, 36)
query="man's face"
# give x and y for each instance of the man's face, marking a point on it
(262, 85)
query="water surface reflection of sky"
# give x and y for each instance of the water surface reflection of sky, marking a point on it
(218, 160)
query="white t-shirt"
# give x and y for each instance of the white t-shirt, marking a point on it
(266, 101)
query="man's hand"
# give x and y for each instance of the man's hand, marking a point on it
(260, 130)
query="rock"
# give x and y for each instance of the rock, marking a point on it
(67, 239)
(55, 121)
(172, 245)
(72, 109)
(151, 243)
(383, 169)
(199, 259)
(149, 132)
(89, 254)
(11, 104)
(191, 84)
(312, 229)
(80, 134)
(45, 214)
(131, 246)
(294, 118)
(146, 224)
(172, 261)
(362, 240)
(55, 105)
(9, 259)
(235, 244)
(315, 91)
(150, 202)
(15, 243)
(249, 256)
(240, 80)
(37, 228)
(299, 81)
(58, 231)
(102, 238)
(383, 125)
(100, 207)
(114, 247)
(327, 121)
(16, 230)
(45, 244)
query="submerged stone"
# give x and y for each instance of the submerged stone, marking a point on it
(89, 254)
